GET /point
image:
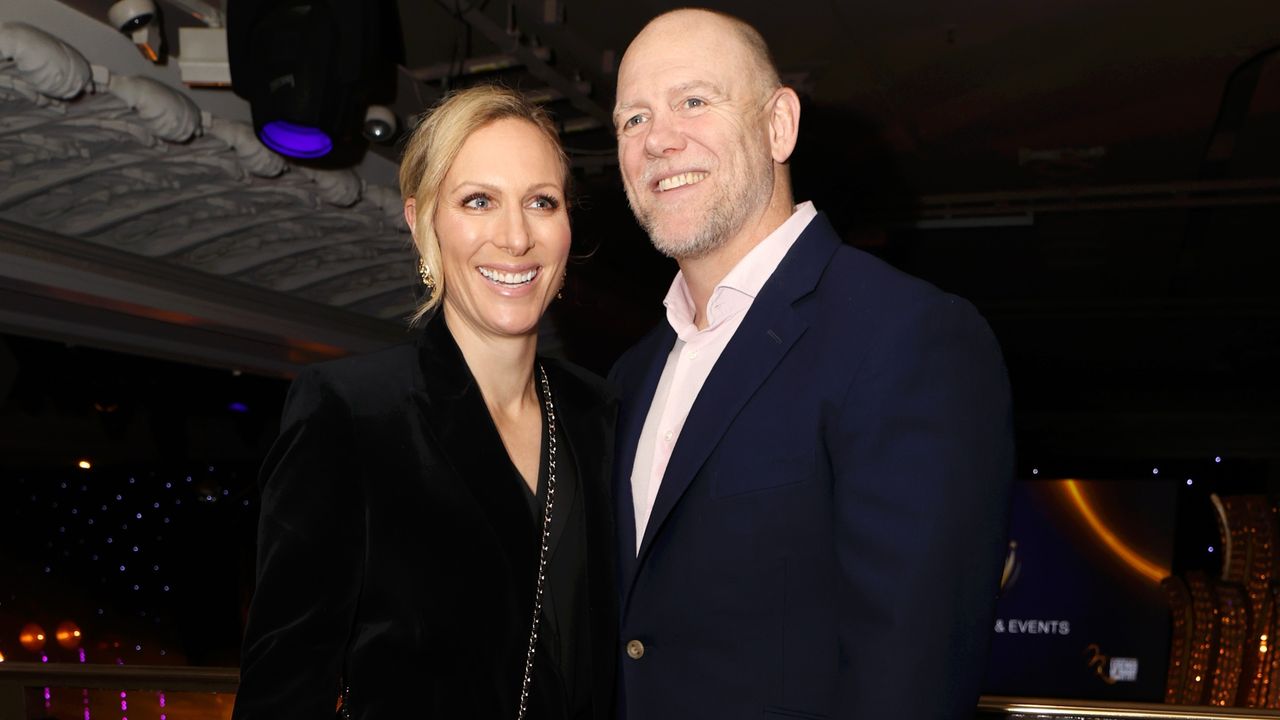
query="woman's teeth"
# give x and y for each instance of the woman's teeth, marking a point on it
(507, 278)
(675, 181)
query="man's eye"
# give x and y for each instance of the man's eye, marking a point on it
(632, 121)
(476, 202)
(694, 103)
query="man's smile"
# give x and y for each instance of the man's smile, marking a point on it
(681, 180)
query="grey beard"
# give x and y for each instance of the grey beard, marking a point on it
(711, 235)
(728, 215)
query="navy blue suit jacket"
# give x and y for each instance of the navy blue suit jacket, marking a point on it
(828, 536)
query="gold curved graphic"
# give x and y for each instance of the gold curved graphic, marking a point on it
(1123, 552)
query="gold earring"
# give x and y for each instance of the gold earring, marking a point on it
(564, 274)
(424, 272)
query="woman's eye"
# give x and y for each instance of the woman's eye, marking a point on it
(545, 202)
(476, 202)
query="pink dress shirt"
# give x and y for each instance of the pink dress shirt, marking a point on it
(695, 353)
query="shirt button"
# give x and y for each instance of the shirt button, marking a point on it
(635, 649)
(668, 435)
(693, 355)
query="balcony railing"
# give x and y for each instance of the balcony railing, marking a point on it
(16, 679)
(992, 707)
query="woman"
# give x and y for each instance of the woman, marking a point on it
(406, 501)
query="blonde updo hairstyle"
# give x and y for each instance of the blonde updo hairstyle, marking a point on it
(432, 148)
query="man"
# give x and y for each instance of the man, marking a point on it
(814, 451)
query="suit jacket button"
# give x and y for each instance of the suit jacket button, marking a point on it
(635, 649)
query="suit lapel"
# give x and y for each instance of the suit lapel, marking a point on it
(637, 392)
(456, 417)
(766, 334)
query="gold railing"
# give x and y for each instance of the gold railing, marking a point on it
(16, 678)
(991, 707)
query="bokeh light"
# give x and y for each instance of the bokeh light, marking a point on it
(68, 635)
(32, 637)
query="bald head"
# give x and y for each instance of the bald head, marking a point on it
(704, 133)
(745, 43)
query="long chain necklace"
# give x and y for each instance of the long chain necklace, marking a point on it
(550, 409)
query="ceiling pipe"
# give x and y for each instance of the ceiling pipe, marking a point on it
(472, 66)
(536, 65)
(51, 66)
(1150, 196)
(206, 13)
(1233, 113)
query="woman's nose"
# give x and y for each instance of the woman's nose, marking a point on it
(514, 233)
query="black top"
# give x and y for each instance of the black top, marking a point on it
(563, 634)
(396, 557)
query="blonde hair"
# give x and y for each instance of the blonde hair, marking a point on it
(432, 148)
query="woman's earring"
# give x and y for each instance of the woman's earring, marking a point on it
(424, 272)
(564, 274)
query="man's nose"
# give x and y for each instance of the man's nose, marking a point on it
(663, 136)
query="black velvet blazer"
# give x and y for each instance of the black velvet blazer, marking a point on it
(397, 554)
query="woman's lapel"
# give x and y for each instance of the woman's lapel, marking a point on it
(579, 413)
(465, 436)
(588, 420)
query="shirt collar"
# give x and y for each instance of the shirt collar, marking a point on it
(740, 286)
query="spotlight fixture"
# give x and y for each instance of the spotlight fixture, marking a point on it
(309, 68)
(379, 124)
(137, 19)
(130, 15)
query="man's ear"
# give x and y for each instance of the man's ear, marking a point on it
(410, 213)
(784, 123)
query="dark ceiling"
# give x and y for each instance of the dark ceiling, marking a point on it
(1102, 178)
(991, 96)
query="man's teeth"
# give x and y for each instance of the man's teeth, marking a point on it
(507, 278)
(681, 180)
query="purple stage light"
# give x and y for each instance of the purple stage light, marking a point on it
(238, 407)
(297, 141)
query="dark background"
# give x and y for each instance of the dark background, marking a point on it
(1101, 179)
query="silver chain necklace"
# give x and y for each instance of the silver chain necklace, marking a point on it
(550, 410)
(344, 711)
